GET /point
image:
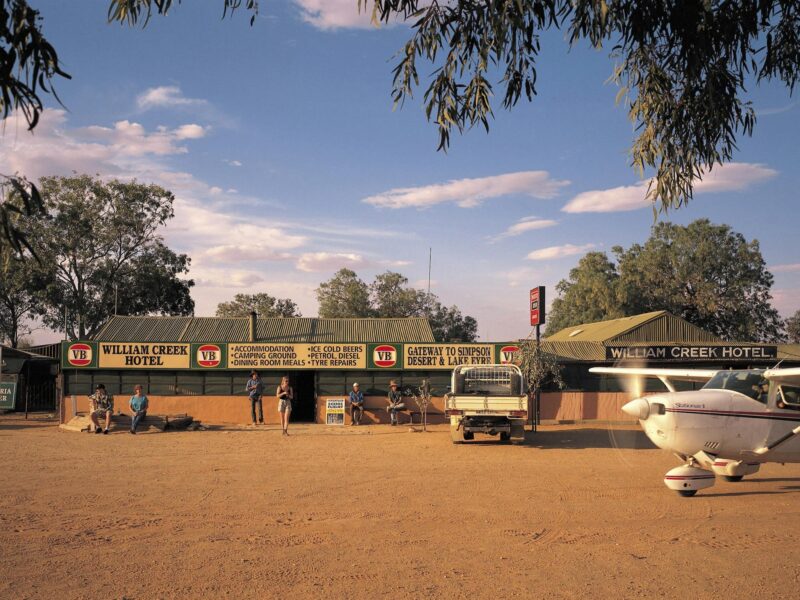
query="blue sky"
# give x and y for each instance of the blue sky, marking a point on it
(288, 162)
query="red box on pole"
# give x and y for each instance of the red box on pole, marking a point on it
(537, 305)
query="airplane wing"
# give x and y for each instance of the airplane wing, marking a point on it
(667, 376)
(789, 376)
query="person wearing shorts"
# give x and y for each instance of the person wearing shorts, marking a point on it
(101, 406)
(285, 396)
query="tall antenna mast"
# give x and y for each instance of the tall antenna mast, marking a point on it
(430, 255)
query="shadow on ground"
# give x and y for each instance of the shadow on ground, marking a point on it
(589, 438)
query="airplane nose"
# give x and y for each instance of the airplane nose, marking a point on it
(639, 408)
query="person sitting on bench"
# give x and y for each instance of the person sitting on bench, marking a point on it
(396, 404)
(101, 405)
(356, 405)
(138, 405)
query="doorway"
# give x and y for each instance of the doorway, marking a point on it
(304, 407)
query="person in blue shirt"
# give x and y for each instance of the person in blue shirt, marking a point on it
(255, 389)
(356, 405)
(138, 405)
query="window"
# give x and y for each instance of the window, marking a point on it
(127, 381)
(162, 384)
(189, 383)
(789, 397)
(750, 383)
(217, 384)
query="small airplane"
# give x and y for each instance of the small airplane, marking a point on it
(737, 421)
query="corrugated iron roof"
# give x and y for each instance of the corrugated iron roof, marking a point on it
(789, 352)
(658, 326)
(296, 330)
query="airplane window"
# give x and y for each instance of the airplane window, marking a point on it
(749, 383)
(789, 397)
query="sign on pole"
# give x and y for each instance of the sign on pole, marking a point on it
(8, 393)
(537, 306)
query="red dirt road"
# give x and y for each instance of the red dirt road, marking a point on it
(380, 512)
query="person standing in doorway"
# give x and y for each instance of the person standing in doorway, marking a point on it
(285, 396)
(138, 404)
(356, 405)
(255, 389)
(101, 404)
(396, 404)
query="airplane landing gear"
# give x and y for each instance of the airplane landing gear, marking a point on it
(734, 470)
(688, 479)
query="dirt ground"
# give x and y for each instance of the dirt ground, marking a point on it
(575, 512)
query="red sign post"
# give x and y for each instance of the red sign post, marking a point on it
(537, 306)
(537, 319)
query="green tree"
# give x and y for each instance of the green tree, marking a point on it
(390, 296)
(449, 325)
(682, 68)
(20, 301)
(262, 303)
(344, 295)
(591, 293)
(98, 248)
(793, 328)
(707, 274)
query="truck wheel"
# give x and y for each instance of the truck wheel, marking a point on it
(505, 437)
(456, 435)
(468, 435)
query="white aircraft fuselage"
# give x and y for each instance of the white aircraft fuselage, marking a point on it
(722, 423)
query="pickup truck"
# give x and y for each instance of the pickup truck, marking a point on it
(488, 399)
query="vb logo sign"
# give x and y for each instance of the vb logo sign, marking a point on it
(384, 356)
(79, 355)
(208, 355)
(509, 355)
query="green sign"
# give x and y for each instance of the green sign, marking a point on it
(8, 392)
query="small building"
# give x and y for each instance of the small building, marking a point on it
(655, 339)
(28, 380)
(199, 365)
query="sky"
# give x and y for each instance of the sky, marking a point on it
(288, 161)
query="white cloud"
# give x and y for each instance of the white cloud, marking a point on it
(552, 252)
(525, 225)
(732, 177)
(191, 131)
(788, 268)
(166, 96)
(335, 14)
(233, 163)
(629, 197)
(329, 261)
(467, 193)
(233, 253)
(729, 177)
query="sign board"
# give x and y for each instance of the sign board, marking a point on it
(334, 411)
(537, 305)
(158, 355)
(677, 352)
(297, 356)
(446, 356)
(8, 394)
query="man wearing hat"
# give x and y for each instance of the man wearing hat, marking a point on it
(356, 405)
(395, 398)
(101, 404)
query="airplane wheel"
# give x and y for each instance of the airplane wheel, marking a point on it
(733, 478)
(687, 493)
